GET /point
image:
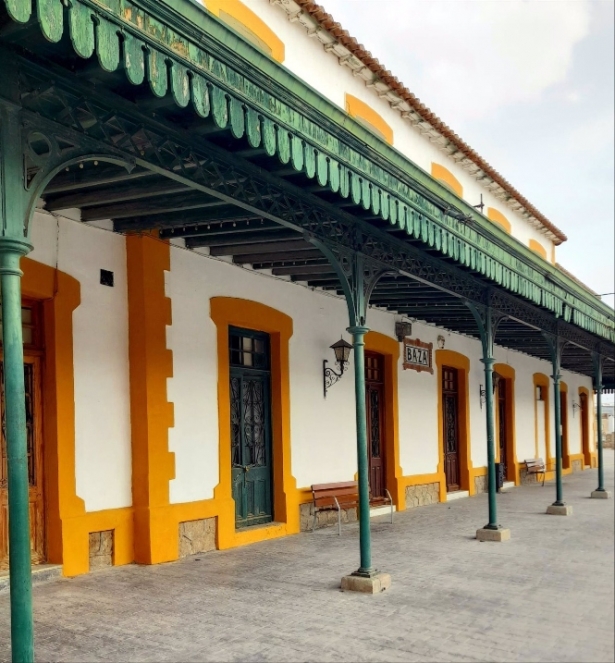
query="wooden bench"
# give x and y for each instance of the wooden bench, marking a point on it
(342, 495)
(536, 466)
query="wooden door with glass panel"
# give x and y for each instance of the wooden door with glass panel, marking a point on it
(450, 424)
(34, 437)
(250, 390)
(374, 406)
(502, 405)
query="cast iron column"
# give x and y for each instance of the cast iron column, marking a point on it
(22, 629)
(492, 483)
(598, 380)
(487, 320)
(559, 491)
(13, 245)
(358, 342)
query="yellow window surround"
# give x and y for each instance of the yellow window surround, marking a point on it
(538, 248)
(445, 176)
(244, 21)
(499, 218)
(368, 117)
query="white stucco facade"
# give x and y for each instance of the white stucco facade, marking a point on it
(100, 346)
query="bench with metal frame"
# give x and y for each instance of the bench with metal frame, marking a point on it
(536, 466)
(342, 495)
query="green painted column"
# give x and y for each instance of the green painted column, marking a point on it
(14, 199)
(489, 404)
(22, 629)
(598, 381)
(358, 342)
(559, 490)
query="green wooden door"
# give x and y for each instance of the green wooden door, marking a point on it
(250, 427)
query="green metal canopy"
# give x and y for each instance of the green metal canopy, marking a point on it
(183, 51)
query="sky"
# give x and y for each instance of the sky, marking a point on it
(529, 84)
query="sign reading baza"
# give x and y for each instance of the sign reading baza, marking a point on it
(418, 355)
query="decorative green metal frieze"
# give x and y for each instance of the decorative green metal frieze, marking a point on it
(126, 35)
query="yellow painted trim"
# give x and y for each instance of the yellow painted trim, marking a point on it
(362, 111)
(151, 415)
(227, 311)
(389, 349)
(542, 380)
(66, 522)
(262, 34)
(538, 248)
(421, 479)
(585, 439)
(508, 373)
(497, 217)
(445, 176)
(462, 364)
(579, 456)
(553, 259)
(566, 458)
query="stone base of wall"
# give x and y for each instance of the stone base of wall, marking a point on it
(421, 495)
(197, 536)
(101, 549)
(480, 484)
(577, 465)
(608, 441)
(323, 518)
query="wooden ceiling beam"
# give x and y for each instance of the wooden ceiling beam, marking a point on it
(255, 249)
(81, 178)
(306, 271)
(178, 203)
(213, 229)
(275, 258)
(159, 187)
(242, 239)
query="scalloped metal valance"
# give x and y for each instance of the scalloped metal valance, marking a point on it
(123, 35)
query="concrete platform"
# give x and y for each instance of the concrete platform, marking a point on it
(40, 573)
(453, 599)
(457, 495)
(385, 510)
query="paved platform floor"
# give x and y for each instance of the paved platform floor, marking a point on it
(547, 595)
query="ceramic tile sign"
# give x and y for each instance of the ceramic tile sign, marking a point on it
(418, 356)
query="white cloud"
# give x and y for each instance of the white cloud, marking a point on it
(472, 57)
(593, 135)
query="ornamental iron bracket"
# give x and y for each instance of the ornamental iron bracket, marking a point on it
(487, 320)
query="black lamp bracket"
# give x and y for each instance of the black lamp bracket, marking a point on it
(330, 376)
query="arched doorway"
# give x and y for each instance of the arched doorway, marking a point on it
(585, 448)
(33, 355)
(376, 429)
(506, 454)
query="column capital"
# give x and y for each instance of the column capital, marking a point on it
(489, 362)
(357, 330)
(11, 251)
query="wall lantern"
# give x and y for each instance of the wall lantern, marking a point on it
(403, 329)
(342, 350)
(575, 406)
(482, 392)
